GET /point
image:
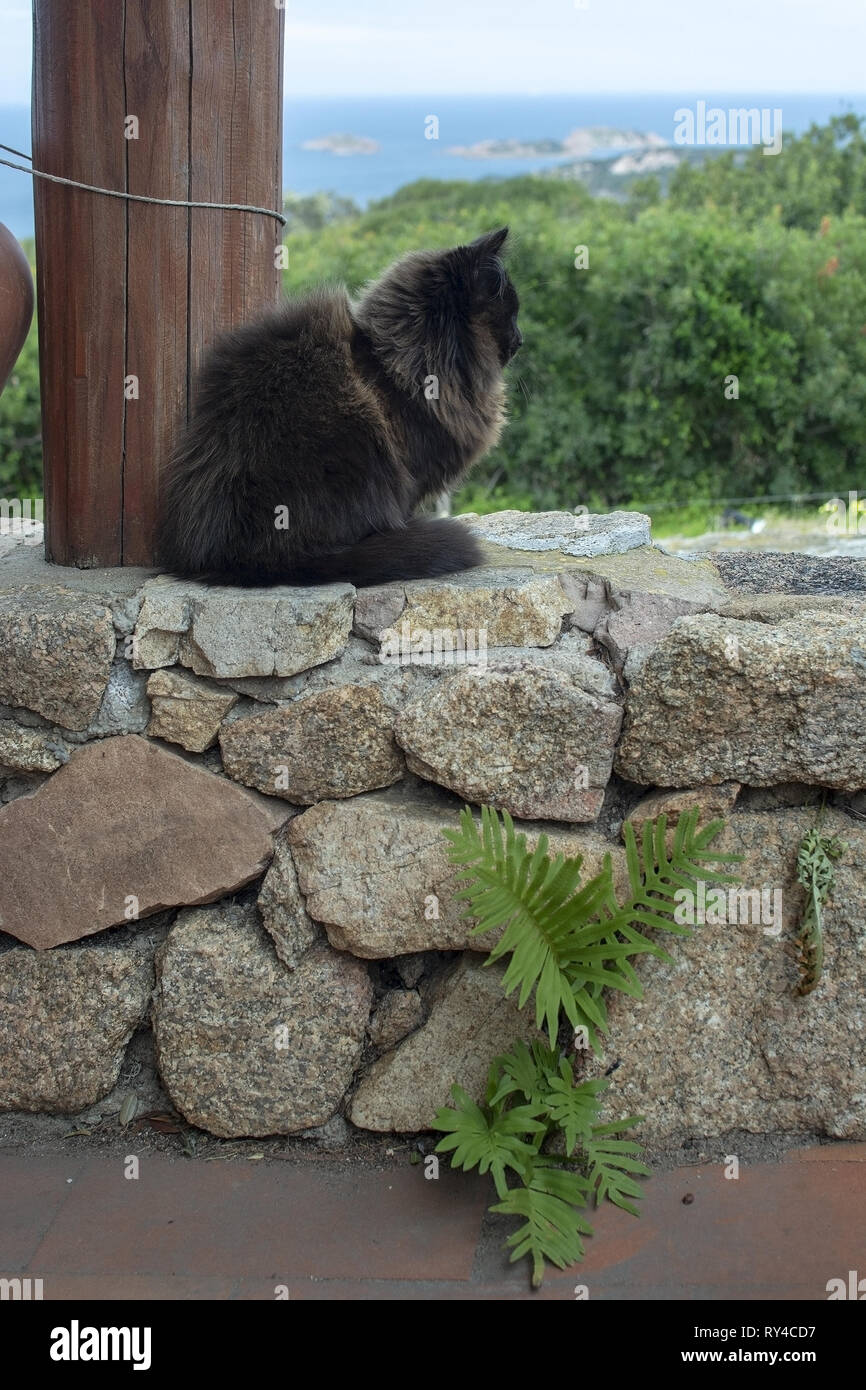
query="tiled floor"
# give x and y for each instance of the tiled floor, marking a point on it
(188, 1229)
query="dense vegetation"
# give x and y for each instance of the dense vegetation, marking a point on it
(752, 267)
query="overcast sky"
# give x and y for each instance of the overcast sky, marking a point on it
(372, 47)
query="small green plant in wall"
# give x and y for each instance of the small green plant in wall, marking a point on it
(816, 872)
(538, 1131)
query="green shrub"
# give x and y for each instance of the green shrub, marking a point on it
(618, 395)
(753, 267)
(816, 175)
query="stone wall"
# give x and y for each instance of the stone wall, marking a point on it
(220, 835)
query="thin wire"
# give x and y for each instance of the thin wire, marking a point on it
(137, 197)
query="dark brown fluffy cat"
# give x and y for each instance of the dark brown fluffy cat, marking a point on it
(319, 429)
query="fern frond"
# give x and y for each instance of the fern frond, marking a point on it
(490, 1142)
(574, 1109)
(568, 942)
(656, 874)
(612, 1162)
(532, 899)
(546, 1081)
(524, 1070)
(657, 871)
(552, 1228)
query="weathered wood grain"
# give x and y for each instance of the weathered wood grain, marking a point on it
(129, 295)
(157, 93)
(78, 111)
(235, 154)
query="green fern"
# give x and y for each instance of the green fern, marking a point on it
(489, 1139)
(524, 1070)
(613, 1165)
(546, 1081)
(552, 1230)
(573, 1108)
(568, 942)
(504, 1139)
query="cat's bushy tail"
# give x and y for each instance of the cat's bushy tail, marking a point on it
(423, 548)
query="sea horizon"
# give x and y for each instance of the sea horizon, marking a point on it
(395, 129)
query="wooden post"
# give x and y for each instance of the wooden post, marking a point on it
(171, 99)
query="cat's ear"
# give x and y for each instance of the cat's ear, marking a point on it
(490, 244)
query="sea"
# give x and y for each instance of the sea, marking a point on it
(398, 126)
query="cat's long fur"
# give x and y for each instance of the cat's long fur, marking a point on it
(316, 431)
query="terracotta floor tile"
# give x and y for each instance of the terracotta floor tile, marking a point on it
(831, 1153)
(32, 1192)
(131, 1287)
(778, 1231)
(191, 1230)
(274, 1222)
(358, 1290)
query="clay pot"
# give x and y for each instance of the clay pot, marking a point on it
(16, 302)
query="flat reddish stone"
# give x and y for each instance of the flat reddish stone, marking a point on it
(123, 820)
